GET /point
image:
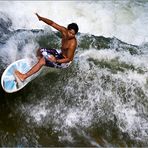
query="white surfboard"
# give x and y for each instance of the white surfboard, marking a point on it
(10, 83)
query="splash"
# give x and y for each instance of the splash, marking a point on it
(125, 20)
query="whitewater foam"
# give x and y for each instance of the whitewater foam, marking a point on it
(124, 20)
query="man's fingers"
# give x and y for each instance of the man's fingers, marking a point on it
(37, 16)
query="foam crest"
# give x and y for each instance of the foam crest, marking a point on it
(16, 47)
(107, 18)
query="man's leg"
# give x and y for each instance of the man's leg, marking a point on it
(39, 54)
(33, 70)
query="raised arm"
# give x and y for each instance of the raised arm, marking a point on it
(51, 23)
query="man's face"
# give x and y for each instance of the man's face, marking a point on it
(71, 33)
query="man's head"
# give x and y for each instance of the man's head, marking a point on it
(73, 26)
(72, 30)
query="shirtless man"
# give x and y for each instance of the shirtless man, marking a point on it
(51, 57)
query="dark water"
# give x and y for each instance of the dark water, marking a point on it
(100, 100)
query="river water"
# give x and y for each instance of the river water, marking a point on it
(101, 99)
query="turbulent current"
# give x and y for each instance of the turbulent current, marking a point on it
(101, 100)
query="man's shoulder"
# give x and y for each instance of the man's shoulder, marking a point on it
(73, 43)
(64, 31)
(75, 40)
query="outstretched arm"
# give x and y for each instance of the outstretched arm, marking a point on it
(51, 23)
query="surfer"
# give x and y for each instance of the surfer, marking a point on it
(51, 57)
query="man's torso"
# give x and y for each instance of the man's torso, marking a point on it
(65, 48)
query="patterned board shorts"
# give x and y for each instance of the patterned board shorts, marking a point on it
(47, 52)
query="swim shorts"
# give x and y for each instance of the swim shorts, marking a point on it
(57, 54)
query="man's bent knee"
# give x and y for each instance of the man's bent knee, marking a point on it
(42, 61)
(38, 53)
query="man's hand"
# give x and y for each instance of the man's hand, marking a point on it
(39, 17)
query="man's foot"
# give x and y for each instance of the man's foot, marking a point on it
(20, 75)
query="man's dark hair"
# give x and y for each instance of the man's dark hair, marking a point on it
(73, 26)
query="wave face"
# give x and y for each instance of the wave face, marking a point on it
(101, 99)
(125, 20)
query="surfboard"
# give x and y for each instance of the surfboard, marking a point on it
(10, 83)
